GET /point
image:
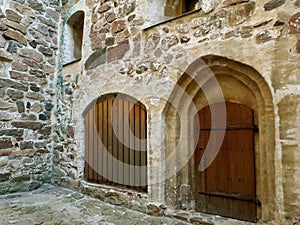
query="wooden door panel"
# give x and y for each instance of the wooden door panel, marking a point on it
(116, 151)
(227, 186)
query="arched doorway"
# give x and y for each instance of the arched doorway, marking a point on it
(227, 186)
(239, 83)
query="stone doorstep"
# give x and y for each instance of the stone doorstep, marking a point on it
(190, 217)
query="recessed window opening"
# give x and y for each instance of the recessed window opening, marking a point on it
(159, 11)
(73, 35)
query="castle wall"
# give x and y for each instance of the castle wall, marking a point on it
(43, 100)
(28, 58)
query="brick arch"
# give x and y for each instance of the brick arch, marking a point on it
(237, 82)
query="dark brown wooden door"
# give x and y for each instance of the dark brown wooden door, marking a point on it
(227, 186)
(115, 143)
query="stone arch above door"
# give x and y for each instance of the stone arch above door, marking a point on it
(208, 80)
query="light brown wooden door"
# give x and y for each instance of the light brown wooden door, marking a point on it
(227, 187)
(115, 143)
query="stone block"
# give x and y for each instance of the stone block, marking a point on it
(209, 5)
(16, 26)
(3, 161)
(155, 209)
(152, 42)
(240, 13)
(15, 35)
(2, 15)
(30, 63)
(97, 58)
(233, 2)
(273, 4)
(31, 54)
(26, 145)
(4, 176)
(36, 96)
(21, 178)
(12, 84)
(117, 26)
(294, 23)
(11, 132)
(45, 51)
(5, 105)
(53, 14)
(13, 46)
(27, 125)
(169, 42)
(267, 35)
(2, 42)
(20, 106)
(26, 116)
(36, 5)
(6, 143)
(298, 46)
(110, 17)
(103, 8)
(117, 52)
(21, 8)
(45, 131)
(13, 15)
(24, 77)
(18, 66)
(47, 21)
(34, 185)
(14, 94)
(5, 116)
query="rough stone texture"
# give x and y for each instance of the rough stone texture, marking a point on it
(31, 54)
(51, 205)
(96, 59)
(273, 4)
(15, 35)
(117, 52)
(5, 143)
(294, 23)
(26, 27)
(13, 16)
(43, 103)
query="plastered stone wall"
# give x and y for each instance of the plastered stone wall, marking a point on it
(120, 53)
(28, 54)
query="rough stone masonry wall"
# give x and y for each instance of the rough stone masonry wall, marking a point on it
(28, 54)
(119, 56)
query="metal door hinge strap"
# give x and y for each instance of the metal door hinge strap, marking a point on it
(230, 196)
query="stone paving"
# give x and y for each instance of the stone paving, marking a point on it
(59, 206)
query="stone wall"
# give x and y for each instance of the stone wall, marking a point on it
(43, 102)
(28, 54)
(258, 40)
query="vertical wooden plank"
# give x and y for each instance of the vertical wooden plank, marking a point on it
(137, 145)
(100, 141)
(144, 150)
(121, 141)
(115, 140)
(126, 143)
(109, 141)
(90, 137)
(131, 141)
(104, 141)
(95, 144)
(86, 153)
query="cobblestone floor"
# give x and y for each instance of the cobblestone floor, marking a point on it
(65, 207)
